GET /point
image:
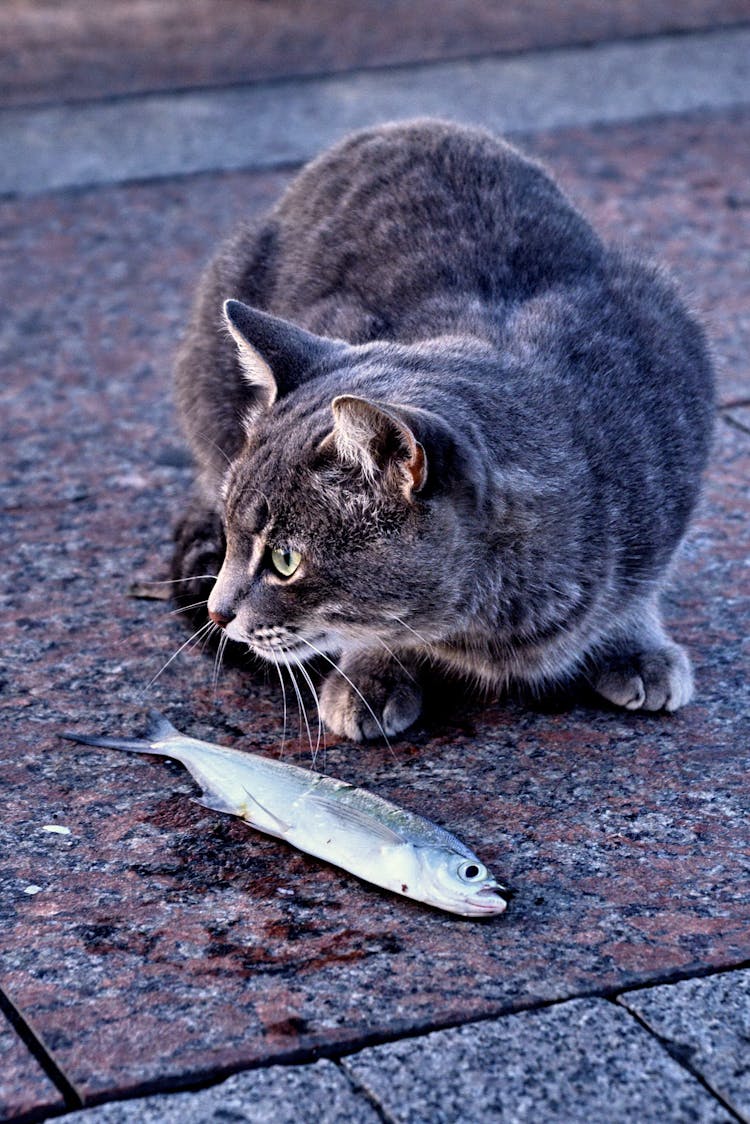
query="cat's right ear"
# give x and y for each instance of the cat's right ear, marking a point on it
(275, 355)
(378, 438)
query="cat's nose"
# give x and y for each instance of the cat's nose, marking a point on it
(220, 618)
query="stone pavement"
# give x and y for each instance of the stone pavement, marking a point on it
(581, 1060)
(148, 946)
(195, 131)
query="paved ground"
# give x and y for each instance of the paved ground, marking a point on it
(149, 946)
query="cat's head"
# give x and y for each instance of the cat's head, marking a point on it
(342, 511)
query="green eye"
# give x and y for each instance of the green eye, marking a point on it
(285, 561)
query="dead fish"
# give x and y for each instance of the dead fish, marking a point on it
(347, 826)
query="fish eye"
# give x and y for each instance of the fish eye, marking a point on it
(472, 872)
(285, 561)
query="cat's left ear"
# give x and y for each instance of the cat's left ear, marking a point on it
(380, 440)
(276, 355)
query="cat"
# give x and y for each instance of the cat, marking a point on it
(438, 423)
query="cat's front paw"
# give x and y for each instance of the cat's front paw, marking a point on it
(661, 679)
(374, 697)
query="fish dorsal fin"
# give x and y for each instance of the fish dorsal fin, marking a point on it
(353, 817)
(160, 728)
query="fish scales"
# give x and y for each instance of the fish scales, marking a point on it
(330, 819)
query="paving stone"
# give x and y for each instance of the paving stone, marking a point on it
(707, 1022)
(24, 1086)
(78, 50)
(279, 1095)
(166, 135)
(582, 1060)
(168, 944)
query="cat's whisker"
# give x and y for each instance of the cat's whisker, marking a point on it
(187, 608)
(300, 703)
(224, 640)
(204, 435)
(176, 581)
(394, 657)
(409, 628)
(283, 696)
(207, 636)
(353, 686)
(306, 676)
(202, 632)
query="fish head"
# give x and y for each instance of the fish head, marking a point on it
(459, 883)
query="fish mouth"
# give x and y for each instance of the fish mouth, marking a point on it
(490, 899)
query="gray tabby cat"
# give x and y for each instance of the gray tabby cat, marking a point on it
(438, 422)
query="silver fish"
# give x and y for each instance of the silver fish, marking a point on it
(328, 818)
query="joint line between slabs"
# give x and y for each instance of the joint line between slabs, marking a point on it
(735, 424)
(201, 155)
(575, 43)
(355, 70)
(337, 1053)
(361, 1090)
(677, 1054)
(41, 1053)
(676, 976)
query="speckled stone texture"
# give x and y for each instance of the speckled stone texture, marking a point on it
(739, 416)
(707, 1022)
(281, 1094)
(24, 1086)
(167, 944)
(81, 50)
(583, 1060)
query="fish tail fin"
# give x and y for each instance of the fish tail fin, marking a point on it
(131, 744)
(159, 730)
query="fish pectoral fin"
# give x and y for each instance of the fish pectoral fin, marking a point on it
(354, 818)
(268, 821)
(281, 826)
(216, 803)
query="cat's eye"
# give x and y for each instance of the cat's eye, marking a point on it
(472, 872)
(285, 561)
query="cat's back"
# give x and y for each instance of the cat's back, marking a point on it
(408, 211)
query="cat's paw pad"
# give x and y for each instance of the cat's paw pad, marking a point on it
(380, 702)
(661, 679)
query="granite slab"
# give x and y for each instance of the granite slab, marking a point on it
(706, 1022)
(282, 123)
(78, 50)
(577, 1061)
(166, 944)
(156, 944)
(282, 1094)
(24, 1086)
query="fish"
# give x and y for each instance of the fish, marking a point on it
(349, 827)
